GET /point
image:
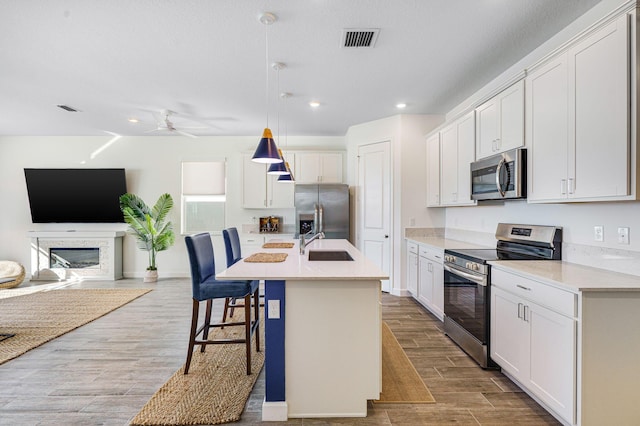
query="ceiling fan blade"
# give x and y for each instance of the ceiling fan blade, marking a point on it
(185, 134)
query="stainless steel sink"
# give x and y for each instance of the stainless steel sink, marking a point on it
(329, 255)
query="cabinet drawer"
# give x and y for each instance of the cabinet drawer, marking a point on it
(412, 247)
(431, 253)
(561, 301)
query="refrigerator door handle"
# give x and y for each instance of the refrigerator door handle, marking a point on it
(316, 224)
(321, 219)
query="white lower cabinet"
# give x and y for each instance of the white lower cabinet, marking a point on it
(425, 276)
(535, 344)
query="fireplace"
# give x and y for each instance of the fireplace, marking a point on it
(74, 257)
(87, 255)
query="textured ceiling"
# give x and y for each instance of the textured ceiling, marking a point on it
(205, 60)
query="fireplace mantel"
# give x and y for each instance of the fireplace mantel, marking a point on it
(109, 244)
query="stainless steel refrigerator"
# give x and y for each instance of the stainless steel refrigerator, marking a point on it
(322, 208)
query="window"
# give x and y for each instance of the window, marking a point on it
(203, 197)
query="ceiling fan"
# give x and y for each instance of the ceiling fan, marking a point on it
(166, 125)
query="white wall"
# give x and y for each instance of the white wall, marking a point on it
(152, 166)
(408, 166)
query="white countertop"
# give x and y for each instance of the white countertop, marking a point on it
(444, 243)
(570, 276)
(298, 267)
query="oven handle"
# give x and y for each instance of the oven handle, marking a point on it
(481, 280)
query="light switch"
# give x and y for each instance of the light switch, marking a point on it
(273, 311)
(598, 233)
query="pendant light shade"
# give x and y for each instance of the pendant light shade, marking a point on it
(267, 151)
(278, 168)
(288, 178)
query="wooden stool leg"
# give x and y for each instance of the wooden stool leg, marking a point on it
(247, 329)
(256, 314)
(226, 308)
(207, 321)
(192, 335)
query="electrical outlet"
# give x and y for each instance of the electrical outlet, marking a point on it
(274, 309)
(598, 233)
(623, 235)
(412, 221)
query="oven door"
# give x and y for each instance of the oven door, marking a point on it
(466, 300)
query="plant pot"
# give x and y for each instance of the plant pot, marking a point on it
(150, 276)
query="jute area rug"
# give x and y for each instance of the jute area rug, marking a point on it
(401, 383)
(40, 317)
(215, 390)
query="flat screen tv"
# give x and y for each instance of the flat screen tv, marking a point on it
(75, 195)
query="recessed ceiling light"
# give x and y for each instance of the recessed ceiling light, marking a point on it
(133, 120)
(401, 105)
(314, 104)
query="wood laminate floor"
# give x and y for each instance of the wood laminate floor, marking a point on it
(104, 372)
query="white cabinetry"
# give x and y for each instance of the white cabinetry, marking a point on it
(252, 242)
(533, 339)
(578, 120)
(318, 167)
(260, 190)
(457, 152)
(412, 268)
(431, 280)
(433, 170)
(500, 122)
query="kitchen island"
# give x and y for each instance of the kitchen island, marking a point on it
(323, 348)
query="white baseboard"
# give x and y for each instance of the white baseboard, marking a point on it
(275, 411)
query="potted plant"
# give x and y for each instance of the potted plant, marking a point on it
(153, 231)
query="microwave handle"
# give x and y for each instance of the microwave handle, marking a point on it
(498, 184)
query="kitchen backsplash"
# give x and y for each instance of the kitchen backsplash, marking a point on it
(615, 260)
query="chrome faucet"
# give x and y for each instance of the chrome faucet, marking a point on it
(304, 243)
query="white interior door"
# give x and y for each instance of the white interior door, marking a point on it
(374, 206)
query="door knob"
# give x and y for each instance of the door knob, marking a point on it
(386, 236)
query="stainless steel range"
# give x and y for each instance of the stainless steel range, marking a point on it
(467, 276)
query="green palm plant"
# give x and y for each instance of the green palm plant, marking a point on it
(153, 231)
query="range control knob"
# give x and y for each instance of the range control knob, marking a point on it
(475, 267)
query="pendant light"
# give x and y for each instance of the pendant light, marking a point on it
(288, 178)
(267, 151)
(278, 168)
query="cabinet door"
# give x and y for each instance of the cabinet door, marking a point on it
(449, 165)
(433, 170)
(307, 167)
(425, 281)
(511, 122)
(412, 274)
(599, 73)
(553, 356)
(466, 155)
(509, 334)
(254, 184)
(437, 300)
(280, 195)
(330, 167)
(546, 131)
(487, 128)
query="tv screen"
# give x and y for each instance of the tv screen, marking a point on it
(75, 195)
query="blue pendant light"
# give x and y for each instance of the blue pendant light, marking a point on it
(278, 168)
(288, 178)
(267, 151)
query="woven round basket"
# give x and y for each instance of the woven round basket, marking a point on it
(16, 282)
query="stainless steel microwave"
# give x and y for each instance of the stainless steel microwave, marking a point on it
(500, 177)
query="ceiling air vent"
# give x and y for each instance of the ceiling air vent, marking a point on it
(361, 37)
(67, 108)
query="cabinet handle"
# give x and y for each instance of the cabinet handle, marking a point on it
(524, 313)
(563, 186)
(523, 287)
(520, 305)
(498, 144)
(570, 185)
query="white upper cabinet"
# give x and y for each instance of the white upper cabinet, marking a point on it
(457, 145)
(433, 170)
(500, 122)
(260, 190)
(318, 167)
(578, 120)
